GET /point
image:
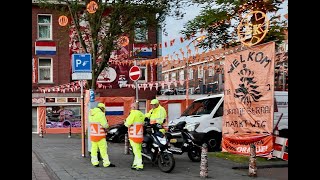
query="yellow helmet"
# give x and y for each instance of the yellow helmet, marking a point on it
(101, 105)
(154, 101)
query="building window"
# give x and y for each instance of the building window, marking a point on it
(45, 70)
(142, 106)
(173, 76)
(144, 74)
(191, 74)
(181, 75)
(141, 32)
(166, 77)
(200, 72)
(44, 27)
(63, 116)
(210, 70)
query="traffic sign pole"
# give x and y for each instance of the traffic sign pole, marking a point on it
(83, 142)
(136, 84)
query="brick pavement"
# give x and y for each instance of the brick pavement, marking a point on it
(62, 156)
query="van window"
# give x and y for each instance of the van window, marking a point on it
(219, 111)
(204, 106)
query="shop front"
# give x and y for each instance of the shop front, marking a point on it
(55, 115)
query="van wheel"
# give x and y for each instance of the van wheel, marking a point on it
(213, 140)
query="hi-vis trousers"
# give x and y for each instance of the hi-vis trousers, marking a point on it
(136, 148)
(102, 146)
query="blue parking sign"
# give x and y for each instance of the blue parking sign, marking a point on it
(81, 63)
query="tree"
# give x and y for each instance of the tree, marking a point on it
(98, 33)
(219, 19)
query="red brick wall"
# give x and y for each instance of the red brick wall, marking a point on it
(60, 35)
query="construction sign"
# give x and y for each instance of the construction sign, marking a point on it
(249, 100)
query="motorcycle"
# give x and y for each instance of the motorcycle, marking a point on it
(116, 133)
(155, 147)
(183, 141)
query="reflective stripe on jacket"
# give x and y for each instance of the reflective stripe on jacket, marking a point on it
(135, 122)
(97, 132)
(97, 121)
(136, 132)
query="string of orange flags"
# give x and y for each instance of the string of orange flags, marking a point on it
(75, 86)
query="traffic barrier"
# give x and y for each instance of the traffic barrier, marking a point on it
(280, 148)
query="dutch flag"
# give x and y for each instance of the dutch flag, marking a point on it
(45, 48)
(114, 109)
(142, 50)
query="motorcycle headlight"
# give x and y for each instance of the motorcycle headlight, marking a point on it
(192, 127)
(112, 131)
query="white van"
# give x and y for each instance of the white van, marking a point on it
(206, 123)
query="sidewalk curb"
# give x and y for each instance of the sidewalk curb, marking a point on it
(47, 168)
(262, 166)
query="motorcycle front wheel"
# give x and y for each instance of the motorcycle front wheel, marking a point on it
(194, 154)
(166, 162)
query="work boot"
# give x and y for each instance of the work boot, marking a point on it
(139, 169)
(111, 165)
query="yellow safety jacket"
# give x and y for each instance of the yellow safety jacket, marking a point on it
(135, 122)
(98, 123)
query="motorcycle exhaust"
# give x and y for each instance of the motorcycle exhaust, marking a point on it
(175, 150)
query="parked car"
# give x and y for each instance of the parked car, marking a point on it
(116, 133)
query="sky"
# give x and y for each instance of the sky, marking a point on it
(173, 28)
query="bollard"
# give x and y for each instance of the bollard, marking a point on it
(69, 136)
(252, 161)
(204, 161)
(41, 132)
(126, 144)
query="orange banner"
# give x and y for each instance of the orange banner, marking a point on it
(248, 101)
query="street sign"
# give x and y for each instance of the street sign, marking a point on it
(81, 76)
(134, 73)
(81, 67)
(81, 63)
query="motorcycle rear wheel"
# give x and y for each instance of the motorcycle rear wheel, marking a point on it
(166, 162)
(194, 154)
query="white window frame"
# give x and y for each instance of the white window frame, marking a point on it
(166, 77)
(181, 75)
(190, 74)
(173, 76)
(211, 70)
(145, 70)
(48, 24)
(51, 70)
(200, 71)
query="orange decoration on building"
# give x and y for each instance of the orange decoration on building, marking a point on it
(92, 7)
(63, 20)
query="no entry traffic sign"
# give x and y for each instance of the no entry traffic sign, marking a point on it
(134, 73)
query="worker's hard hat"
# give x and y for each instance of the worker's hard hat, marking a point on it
(154, 101)
(101, 105)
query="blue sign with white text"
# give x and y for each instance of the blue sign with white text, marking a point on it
(81, 63)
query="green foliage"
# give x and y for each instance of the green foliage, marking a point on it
(219, 20)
